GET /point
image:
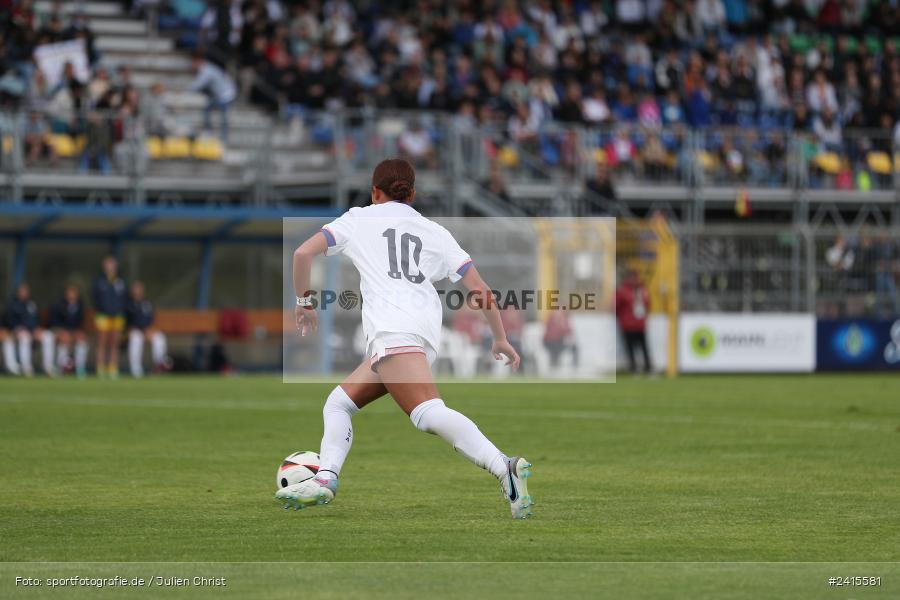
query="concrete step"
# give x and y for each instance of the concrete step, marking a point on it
(144, 80)
(157, 63)
(138, 44)
(238, 116)
(91, 9)
(120, 27)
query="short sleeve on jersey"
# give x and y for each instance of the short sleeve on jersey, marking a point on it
(456, 260)
(339, 232)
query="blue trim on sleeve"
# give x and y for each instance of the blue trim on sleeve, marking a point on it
(464, 267)
(329, 237)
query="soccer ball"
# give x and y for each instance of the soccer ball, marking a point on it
(297, 467)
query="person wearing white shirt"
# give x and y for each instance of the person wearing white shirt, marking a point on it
(219, 88)
(399, 255)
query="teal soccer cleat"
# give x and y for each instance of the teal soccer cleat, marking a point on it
(312, 492)
(515, 488)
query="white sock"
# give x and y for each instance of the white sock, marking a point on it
(25, 352)
(136, 352)
(338, 435)
(81, 354)
(62, 356)
(433, 416)
(47, 343)
(158, 347)
(9, 356)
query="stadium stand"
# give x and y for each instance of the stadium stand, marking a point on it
(776, 121)
(675, 95)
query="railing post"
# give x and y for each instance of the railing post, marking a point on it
(807, 234)
(895, 164)
(796, 272)
(698, 179)
(455, 167)
(17, 161)
(262, 166)
(137, 168)
(340, 160)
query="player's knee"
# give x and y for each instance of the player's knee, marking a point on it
(339, 401)
(420, 414)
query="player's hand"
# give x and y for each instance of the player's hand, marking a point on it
(307, 320)
(504, 349)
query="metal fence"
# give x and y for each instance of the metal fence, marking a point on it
(301, 148)
(753, 269)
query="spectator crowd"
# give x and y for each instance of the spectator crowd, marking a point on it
(647, 67)
(812, 66)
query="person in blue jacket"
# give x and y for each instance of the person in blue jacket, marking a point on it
(67, 323)
(21, 320)
(110, 294)
(140, 315)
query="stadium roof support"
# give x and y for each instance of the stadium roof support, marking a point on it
(117, 224)
(206, 226)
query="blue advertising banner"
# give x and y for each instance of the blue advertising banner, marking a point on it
(857, 345)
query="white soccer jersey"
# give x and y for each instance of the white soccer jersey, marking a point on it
(399, 254)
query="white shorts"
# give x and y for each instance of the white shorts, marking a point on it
(389, 344)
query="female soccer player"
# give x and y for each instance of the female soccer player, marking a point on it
(399, 254)
(109, 320)
(67, 321)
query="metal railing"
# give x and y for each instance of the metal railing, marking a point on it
(759, 269)
(544, 170)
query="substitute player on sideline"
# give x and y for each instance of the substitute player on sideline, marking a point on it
(67, 322)
(139, 316)
(109, 320)
(22, 320)
(399, 254)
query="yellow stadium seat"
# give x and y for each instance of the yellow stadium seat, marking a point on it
(154, 148)
(65, 145)
(600, 156)
(176, 147)
(828, 162)
(706, 159)
(879, 162)
(508, 156)
(7, 144)
(207, 149)
(671, 160)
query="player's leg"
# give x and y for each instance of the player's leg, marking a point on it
(360, 388)
(158, 349)
(9, 352)
(648, 366)
(25, 340)
(629, 346)
(408, 379)
(63, 349)
(81, 353)
(48, 342)
(101, 323)
(115, 334)
(136, 352)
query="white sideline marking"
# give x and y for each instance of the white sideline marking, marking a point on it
(691, 420)
(383, 408)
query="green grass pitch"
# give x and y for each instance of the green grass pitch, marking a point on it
(700, 487)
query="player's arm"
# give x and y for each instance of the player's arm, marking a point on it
(305, 316)
(483, 297)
